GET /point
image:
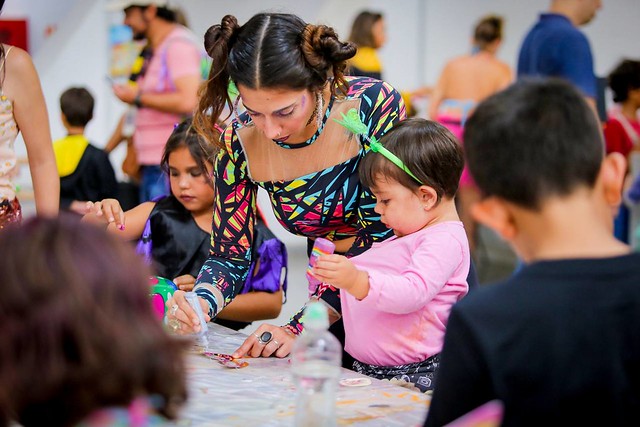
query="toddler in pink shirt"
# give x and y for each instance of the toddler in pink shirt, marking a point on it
(396, 296)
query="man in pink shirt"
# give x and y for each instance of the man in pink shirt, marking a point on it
(166, 89)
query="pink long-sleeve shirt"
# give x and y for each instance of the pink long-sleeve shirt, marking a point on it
(414, 280)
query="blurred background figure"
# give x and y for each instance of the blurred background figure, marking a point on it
(622, 133)
(22, 109)
(80, 341)
(555, 47)
(85, 171)
(368, 33)
(163, 86)
(464, 82)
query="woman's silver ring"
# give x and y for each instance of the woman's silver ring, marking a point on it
(276, 343)
(174, 309)
(265, 338)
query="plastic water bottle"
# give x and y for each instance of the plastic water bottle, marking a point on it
(194, 302)
(315, 366)
(320, 247)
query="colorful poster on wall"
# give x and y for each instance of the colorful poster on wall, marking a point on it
(124, 51)
(14, 32)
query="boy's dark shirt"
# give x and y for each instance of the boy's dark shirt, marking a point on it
(558, 342)
(92, 180)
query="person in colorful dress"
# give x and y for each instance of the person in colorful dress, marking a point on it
(288, 143)
(81, 344)
(22, 109)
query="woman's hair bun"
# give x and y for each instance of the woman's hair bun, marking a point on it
(322, 48)
(218, 35)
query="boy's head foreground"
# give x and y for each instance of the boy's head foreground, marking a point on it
(535, 150)
(79, 333)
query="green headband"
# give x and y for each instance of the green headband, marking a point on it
(352, 122)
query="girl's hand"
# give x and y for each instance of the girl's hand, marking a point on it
(186, 282)
(339, 271)
(181, 315)
(109, 210)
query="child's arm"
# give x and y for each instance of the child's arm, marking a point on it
(127, 225)
(22, 85)
(411, 286)
(253, 306)
(340, 272)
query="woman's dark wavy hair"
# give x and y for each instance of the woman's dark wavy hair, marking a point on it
(274, 51)
(78, 330)
(625, 77)
(184, 135)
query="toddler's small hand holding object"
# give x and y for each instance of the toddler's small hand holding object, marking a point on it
(340, 272)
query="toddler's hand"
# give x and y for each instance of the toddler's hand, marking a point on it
(336, 270)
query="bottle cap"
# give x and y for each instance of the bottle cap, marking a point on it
(316, 316)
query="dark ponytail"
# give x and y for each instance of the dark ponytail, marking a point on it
(213, 95)
(271, 50)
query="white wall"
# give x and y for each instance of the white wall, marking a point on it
(422, 36)
(448, 28)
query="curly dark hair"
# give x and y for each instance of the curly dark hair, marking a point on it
(79, 333)
(272, 50)
(625, 77)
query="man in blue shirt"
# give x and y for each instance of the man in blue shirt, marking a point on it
(556, 47)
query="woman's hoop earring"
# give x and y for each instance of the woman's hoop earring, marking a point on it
(235, 111)
(319, 108)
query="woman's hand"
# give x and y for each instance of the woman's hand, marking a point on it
(181, 315)
(277, 342)
(186, 282)
(109, 210)
(126, 93)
